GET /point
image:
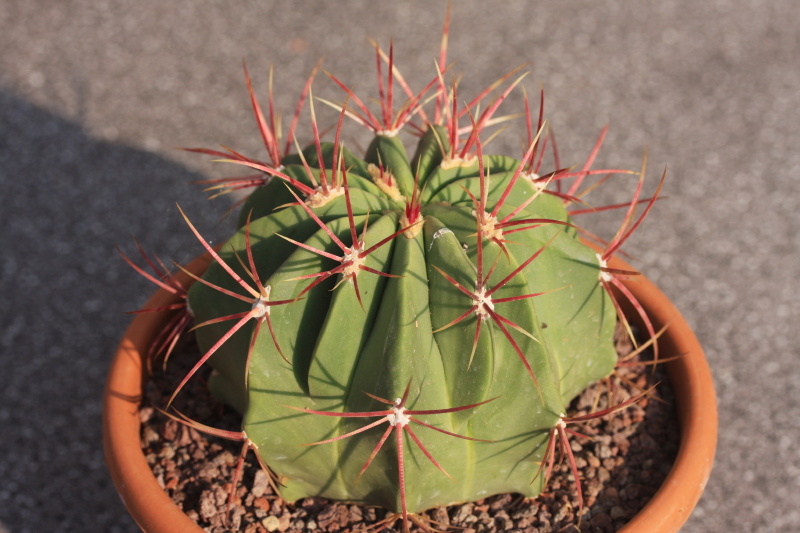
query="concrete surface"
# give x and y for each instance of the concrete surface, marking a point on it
(93, 95)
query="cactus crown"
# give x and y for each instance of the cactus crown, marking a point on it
(453, 281)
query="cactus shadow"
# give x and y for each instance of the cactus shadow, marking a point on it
(68, 198)
(516, 441)
(591, 293)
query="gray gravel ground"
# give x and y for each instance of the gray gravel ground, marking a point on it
(93, 95)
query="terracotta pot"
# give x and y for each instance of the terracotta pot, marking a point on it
(690, 376)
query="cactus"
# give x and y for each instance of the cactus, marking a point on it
(446, 297)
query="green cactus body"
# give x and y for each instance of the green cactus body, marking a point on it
(340, 348)
(385, 323)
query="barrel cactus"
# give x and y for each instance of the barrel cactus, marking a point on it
(406, 331)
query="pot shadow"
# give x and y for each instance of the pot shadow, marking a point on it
(67, 199)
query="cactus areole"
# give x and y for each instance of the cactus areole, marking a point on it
(406, 331)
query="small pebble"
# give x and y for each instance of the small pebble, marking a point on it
(601, 520)
(271, 523)
(618, 512)
(260, 484)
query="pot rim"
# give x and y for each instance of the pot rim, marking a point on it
(690, 376)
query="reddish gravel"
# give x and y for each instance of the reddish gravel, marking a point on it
(621, 468)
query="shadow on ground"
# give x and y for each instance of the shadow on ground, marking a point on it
(66, 200)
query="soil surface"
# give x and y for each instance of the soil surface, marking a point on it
(621, 467)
